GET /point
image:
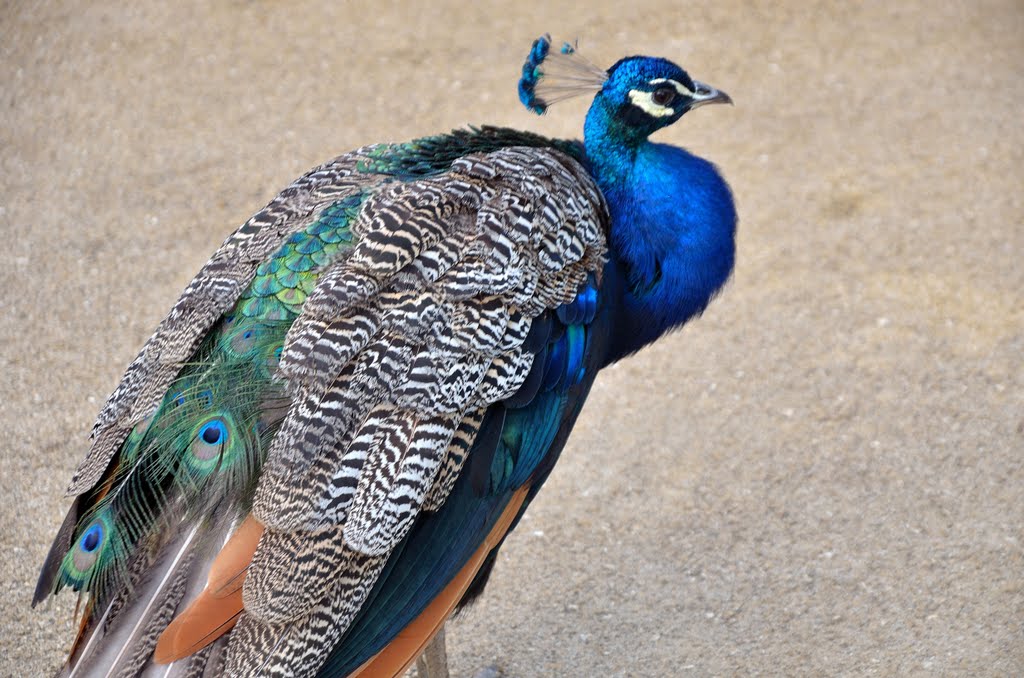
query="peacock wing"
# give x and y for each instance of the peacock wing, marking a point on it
(446, 558)
(397, 368)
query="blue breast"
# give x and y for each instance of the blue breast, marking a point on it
(672, 242)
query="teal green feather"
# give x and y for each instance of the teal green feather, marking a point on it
(208, 437)
(432, 155)
(525, 440)
(99, 546)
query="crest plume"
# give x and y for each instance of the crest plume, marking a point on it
(549, 77)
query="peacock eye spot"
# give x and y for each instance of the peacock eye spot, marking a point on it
(663, 96)
(211, 435)
(91, 538)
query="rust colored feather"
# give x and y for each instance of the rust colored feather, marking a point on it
(401, 652)
(83, 625)
(215, 611)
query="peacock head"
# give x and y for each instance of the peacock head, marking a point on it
(648, 93)
(634, 98)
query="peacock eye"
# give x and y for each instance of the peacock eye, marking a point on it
(663, 96)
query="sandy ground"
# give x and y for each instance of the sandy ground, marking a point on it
(824, 476)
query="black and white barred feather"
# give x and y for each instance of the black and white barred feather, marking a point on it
(405, 342)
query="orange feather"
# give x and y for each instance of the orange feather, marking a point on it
(83, 624)
(215, 611)
(401, 652)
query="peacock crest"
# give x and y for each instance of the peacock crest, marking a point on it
(552, 76)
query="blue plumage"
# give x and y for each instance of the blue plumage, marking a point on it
(672, 242)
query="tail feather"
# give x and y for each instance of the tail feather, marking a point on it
(217, 607)
(55, 557)
(158, 611)
(119, 639)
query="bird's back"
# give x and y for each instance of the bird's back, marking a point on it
(363, 377)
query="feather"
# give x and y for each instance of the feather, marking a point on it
(391, 490)
(297, 648)
(55, 556)
(549, 77)
(410, 642)
(487, 441)
(525, 394)
(454, 459)
(217, 608)
(121, 641)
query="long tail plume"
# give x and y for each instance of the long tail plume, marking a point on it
(122, 640)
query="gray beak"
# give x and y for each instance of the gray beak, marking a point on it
(706, 94)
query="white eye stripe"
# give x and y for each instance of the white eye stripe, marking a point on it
(645, 102)
(681, 88)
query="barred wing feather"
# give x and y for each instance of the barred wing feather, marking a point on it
(351, 339)
(443, 261)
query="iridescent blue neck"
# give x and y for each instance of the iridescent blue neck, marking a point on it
(672, 233)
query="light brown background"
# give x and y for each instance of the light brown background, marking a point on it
(823, 476)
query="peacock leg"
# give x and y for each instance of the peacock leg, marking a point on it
(433, 663)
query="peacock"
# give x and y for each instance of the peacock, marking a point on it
(313, 461)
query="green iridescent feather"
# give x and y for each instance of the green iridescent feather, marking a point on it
(208, 437)
(432, 155)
